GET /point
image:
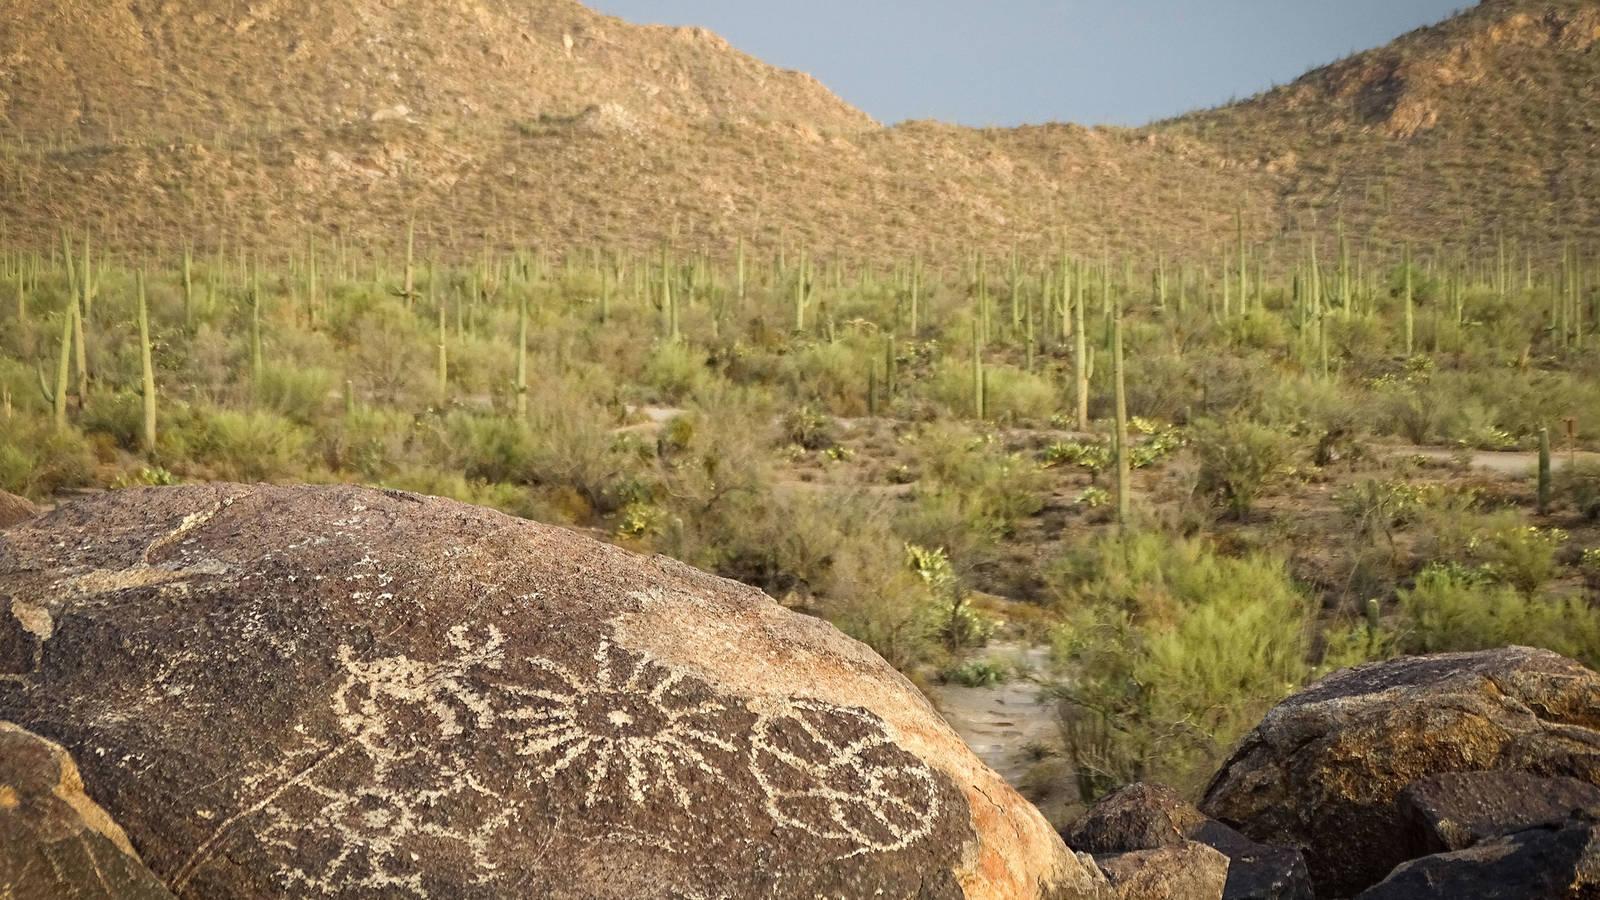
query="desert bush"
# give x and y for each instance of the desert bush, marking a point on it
(117, 414)
(1239, 460)
(1175, 651)
(37, 459)
(1012, 395)
(972, 493)
(298, 393)
(369, 442)
(674, 372)
(246, 446)
(1456, 608)
(1578, 486)
(1521, 556)
(808, 427)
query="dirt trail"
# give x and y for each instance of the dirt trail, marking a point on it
(1001, 722)
(1503, 462)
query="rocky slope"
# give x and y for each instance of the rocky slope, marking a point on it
(540, 121)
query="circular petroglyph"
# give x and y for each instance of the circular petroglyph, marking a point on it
(836, 774)
(632, 727)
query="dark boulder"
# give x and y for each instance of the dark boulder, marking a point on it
(1558, 862)
(55, 842)
(1144, 817)
(1137, 817)
(1457, 810)
(1324, 769)
(303, 691)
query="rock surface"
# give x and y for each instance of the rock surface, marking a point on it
(1560, 862)
(1323, 770)
(14, 509)
(1137, 817)
(1149, 817)
(1457, 810)
(336, 690)
(1182, 871)
(54, 841)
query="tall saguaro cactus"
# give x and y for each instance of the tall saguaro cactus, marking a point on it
(1080, 354)
(1411, 320)
(58, 397)
(1544, 471)
(521, 385)
(1124, 467)
(147, 370)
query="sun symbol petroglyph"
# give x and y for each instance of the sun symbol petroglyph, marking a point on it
(459, 758)
(836, 774)
(633, 720)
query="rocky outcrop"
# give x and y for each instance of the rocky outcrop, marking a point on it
(1454, 811)
(14, 509)
(55, 842)
(1557, 862)
(1324, 770)
(1147, 817)
(301, 691)
(1137, 817)
(1181, 871)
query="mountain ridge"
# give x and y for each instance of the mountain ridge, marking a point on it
(492, 121)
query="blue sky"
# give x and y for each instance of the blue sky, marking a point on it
(1007, 62)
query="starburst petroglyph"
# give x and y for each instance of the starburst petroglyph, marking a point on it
(836, 774)
(418, 761)
(634, 720)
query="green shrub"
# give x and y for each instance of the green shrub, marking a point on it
(1239, 460)
(297, 393)
(976, 673)
(1175, 651)
(1578, 486)
(675, 372)
(249, 446)
(37, 460)
(1523, 557)
(1453, 608)
(1012, 395)
(116, 414)
(370, 442)
(805, 426)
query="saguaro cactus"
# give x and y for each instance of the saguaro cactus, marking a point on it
(188, 287)
(1124, 468)
(147, 368)
(977, 372)
(58, 397)
(1411, 320)
(1080, 356)
(444, 353)
(1544, 471)
(521, 386)
(257, 363)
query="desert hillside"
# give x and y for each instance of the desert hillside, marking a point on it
(542, 122)
(1486, 123)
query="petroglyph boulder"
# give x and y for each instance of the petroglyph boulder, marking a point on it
(54, 841)
(298, 691)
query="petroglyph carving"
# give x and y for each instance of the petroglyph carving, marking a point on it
(634, 720)
(406, 772)
(859, 788)
(346, 795)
